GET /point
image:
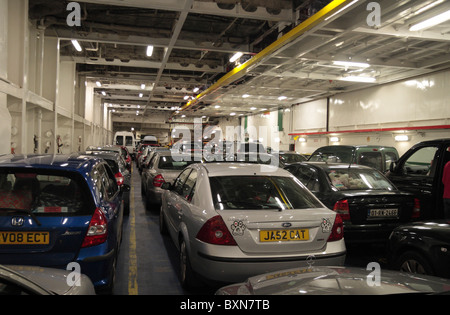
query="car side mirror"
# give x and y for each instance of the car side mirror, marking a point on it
(166, 186)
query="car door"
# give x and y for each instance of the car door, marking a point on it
(174, 199)
(183, 205)
(416, 173)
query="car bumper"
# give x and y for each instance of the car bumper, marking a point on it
(368, 233)
(96, 262)
(234, 266)
(155, 195)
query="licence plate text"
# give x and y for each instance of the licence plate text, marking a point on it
(383, 213)
(24, 238)
(284, 235)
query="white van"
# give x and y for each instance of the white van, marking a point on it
(126, 139)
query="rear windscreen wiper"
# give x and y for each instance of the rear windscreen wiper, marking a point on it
(28, 212)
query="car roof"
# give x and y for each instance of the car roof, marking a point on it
(102, 154)
(236, 169)
(70, 162)
(325, 165)
(335, 166)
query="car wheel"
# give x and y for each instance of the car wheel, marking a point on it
(413, 262)
(186, 272)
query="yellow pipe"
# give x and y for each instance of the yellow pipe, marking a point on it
(299, 30)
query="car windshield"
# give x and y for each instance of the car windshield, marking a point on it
(260, 192)
(291, 158)
(43, 193)
(167, 162)
(358, 179)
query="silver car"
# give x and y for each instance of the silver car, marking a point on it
(31, 280)
(337, 281)
(235, 220)
(163, 167)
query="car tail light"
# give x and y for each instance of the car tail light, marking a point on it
(416, 209)
(341, 207)
(97, 231)
(119, 178)
(214, 231)
(158, 180)
(337, 231)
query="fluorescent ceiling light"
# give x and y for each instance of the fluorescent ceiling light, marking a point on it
(252, 108)
(438, 19)
(401, 138)
(76, 44)
(141, 95)
(245, 95)
(236, 56)
(233, 114)
(427, 7)
(360, 79)
(98, 84)
(217, 106)
(351, 64)
(149, 51)
(142, 86)
(282, 98)
(334, 139)
(104, 93)
(195, 90)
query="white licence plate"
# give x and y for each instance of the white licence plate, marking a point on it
(383, 213)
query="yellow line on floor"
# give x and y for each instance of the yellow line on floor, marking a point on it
(132, 271)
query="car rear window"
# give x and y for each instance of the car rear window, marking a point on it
(358, 179)
(169, 163)
(291, 158)
(44, 193)
(260, 192)
(332, 155)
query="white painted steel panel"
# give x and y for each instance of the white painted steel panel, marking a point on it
(420, 99)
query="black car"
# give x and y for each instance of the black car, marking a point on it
(287, 158)
(419, 171)
(369, 204)
(119, 167)
(421, 247)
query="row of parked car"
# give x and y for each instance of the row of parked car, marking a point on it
(229, 220)
(234, 219)
(63, 213)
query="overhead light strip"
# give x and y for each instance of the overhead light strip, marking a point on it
(436, 20)
(77, 45)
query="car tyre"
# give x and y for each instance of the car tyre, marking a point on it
(414, 262)
(187, 277)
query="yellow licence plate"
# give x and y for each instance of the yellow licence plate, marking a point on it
(24, 238)
(284, 235)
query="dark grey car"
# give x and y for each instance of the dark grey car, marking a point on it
(118, 165)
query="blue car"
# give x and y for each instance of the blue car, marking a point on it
(61, 209)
